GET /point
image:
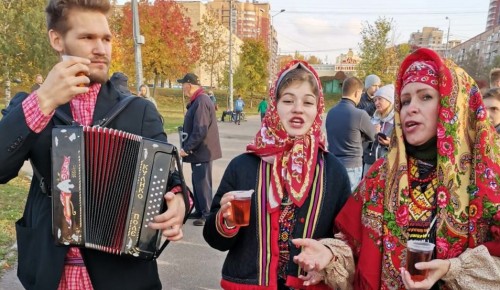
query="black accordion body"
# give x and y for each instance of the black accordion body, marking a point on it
(107, 185)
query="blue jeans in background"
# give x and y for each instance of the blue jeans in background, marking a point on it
(355, 174)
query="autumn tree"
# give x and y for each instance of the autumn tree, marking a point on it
(251, 75)
(24, 46)
(120, 44)
(314, 60)
(298, 55)
(377, 55)
(213, 45)
(171, 46)
(284, 59)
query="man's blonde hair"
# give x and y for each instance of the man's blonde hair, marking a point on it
(57, 11)
(494, 77)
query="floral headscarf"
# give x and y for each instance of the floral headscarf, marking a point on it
(375, 219)
(296, 157)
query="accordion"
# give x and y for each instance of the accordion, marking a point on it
(107, 185)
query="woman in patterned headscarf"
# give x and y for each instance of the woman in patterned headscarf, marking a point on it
(299, 189)
(441, 176)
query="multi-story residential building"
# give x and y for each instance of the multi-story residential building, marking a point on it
(432, 37)
(428, 37)
(484, 46)
(251, 19)
(196, 10)
(493, 14)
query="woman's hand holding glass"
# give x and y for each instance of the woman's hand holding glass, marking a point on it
(437, 269)
(225, 209)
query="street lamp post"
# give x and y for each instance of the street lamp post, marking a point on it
(273, 51)
(272, 17)
(138, 41)
(447, 37)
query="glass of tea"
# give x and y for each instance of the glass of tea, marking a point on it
(66, 57)
(240, 206)
(418, 251)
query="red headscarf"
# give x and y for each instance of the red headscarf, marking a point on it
(421, 72)
(296, 157)
(375, 220)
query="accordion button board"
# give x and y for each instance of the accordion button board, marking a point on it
(107, 185)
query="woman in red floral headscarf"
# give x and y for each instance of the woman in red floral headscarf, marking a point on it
(298, 189)
(441, 177)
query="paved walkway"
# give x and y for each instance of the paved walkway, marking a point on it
(190, 263)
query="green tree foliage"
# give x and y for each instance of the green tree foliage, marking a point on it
(251, 76)
(171, 46)
(24, 46)
(377, 56)
(213, 45)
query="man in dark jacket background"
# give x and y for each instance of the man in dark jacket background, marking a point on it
(202, 144)
(372, 83)
(347, 127)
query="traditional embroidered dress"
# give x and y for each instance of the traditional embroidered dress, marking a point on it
(397, 200)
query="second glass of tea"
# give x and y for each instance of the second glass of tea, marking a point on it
(240, 206)
(418, 251)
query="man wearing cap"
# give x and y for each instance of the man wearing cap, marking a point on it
(120, 82)
(202, 144)
(372, 83)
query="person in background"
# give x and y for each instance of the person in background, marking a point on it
(120, 82)
(492, 104)
(262, 108)
(347, 127)
(383, 120)
(38, 82)
(299, 188)
(238, 109)
(227, 113)
(495, 78)
(438, 183)
(202, 144)
(372, 83)
(26, 130)
(213, 99)
(144, 93)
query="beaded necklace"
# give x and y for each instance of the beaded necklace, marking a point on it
(417, 183)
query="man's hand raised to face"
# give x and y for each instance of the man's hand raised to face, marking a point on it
(62, 83)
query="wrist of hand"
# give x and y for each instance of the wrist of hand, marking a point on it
(333, 257)
(46, 105)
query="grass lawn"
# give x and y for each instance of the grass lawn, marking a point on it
(12, 198)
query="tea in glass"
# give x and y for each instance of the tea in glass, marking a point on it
(418, 251)
(240, 207)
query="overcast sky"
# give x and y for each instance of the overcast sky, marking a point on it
(326, 28)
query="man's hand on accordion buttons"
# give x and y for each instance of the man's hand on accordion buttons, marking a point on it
(170, 222)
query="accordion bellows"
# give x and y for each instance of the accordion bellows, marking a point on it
(107, 185)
